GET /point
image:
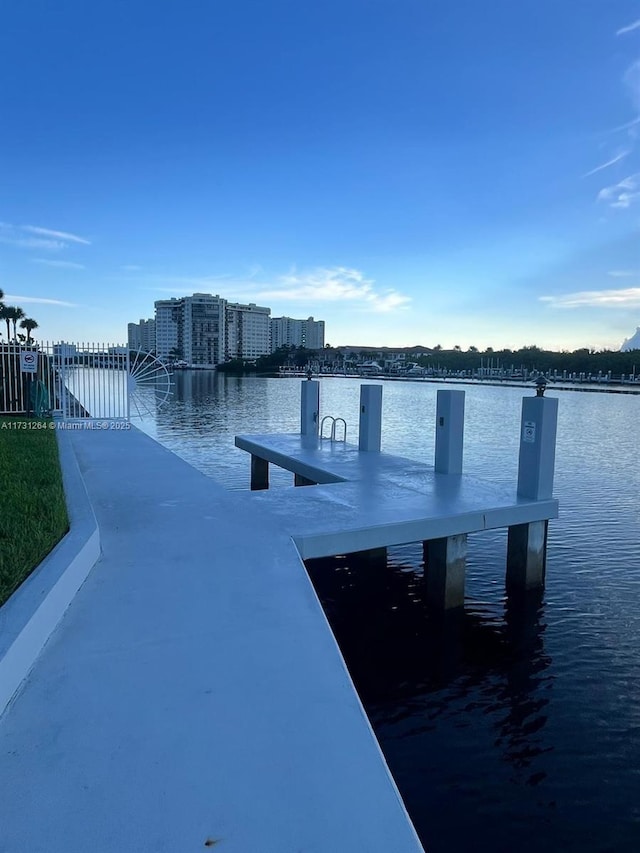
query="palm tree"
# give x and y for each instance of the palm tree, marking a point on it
(5, 314)
(16, 314)
(29, 325)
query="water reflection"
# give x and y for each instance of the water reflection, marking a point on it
(414, 667)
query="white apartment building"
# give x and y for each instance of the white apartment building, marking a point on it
(191, 329)
(285, 331)
(247, 331)
(205, 330)
(168, 327)
(142, 335)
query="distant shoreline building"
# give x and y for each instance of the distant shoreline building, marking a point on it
(204, 330)
(142, 335)
(247, 331)
(286, 331)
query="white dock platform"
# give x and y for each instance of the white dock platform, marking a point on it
(193, 696)
(368, 500)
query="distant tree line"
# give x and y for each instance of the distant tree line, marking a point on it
(533, 358)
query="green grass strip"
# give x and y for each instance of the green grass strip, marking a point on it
(33, 514)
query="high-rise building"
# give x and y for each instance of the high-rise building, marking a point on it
(169, 328)
(142, 335)
(205, 330)
(247, 331)
(191, 329)
(285, 331)
(203, 324)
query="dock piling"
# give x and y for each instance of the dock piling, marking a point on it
(449, 432)
(370, 431)
(259, 474)
(445, 561)
(310, 408)
(527, 543)
(537, 456)
(299, 480)
(526, 555)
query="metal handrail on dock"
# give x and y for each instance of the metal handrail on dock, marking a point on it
(334, 423)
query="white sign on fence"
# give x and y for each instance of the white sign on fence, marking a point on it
(28, 361)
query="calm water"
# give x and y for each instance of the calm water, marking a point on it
(516, 727)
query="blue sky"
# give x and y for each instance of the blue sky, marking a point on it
(412, 172)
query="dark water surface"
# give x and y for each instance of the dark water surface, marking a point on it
(515, 727)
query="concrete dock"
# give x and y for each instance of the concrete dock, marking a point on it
(193, 695)
(365, 501)
(361, 499)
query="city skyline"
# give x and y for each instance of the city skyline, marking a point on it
(466, 174)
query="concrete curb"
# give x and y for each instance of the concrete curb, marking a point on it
(33, 612)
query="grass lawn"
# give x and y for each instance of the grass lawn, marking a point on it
(33, 515)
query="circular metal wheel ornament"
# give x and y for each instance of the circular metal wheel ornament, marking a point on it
(148, 384)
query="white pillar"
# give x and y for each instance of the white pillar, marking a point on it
(537, 457)
(370, 431)
(309, 407)
(449, 432)
(527, 543)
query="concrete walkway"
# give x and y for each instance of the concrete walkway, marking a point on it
(193, 695)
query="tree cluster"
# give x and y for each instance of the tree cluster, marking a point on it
(285, 355)
(11, 314)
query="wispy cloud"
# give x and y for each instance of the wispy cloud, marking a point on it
(630, 125)
(624, 273)
(631, 79)
(628, 298)
(12, 236)
(63, 265)
(38, 300)
(33, 237)
(65, 236)
(623, 194)
(130, 268)
(255, 270)
(318, 285)
(629, 28)
(334, 284)
(606, 165)
(631, 129)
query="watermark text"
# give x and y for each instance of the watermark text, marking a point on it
(65, 425)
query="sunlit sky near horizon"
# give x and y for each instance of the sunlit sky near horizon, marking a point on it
(412, 172)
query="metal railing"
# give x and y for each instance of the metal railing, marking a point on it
(71, 380)
(334, 422)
